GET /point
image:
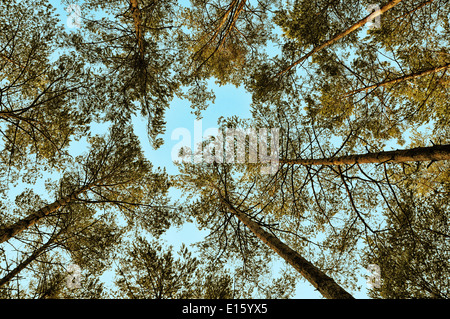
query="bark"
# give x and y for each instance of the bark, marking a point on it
(322, 282)
(10, 231)
(232, 23)
(138, 26)
(400, 79)
(341, 35)
(27, 261)
(418, 154)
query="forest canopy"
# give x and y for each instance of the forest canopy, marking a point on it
(339, 180)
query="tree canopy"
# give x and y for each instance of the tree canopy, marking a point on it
(342, 166)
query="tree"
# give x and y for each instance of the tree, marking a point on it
(39, 110)
(119, 181)
(323, 283)
(77, 238)
(151, 271)
(220, 187)
(138, 68)
(105, 175)
(413, 253)
(332, 189)
(432, 153)
(343, 34)
(315, 121)
(225, 37)
(381, 57)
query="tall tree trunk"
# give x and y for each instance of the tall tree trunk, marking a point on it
(136, 12)
(10, 231)
(341, 35)
(400, 79)
(27, 261)
(323, 283)
(418, 154)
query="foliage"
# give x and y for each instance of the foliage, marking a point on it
(107, 208)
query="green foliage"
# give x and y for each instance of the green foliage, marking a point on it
(150, 271)
(39, 110)
(225, 38)
(413, 254)
(363, 93)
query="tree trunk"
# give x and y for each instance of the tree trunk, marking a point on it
(400, 79)
(138, 26)
(357, 25)
(418, 154)
(232, 23)
(10, 231)
(27, 261)
(323, 283)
